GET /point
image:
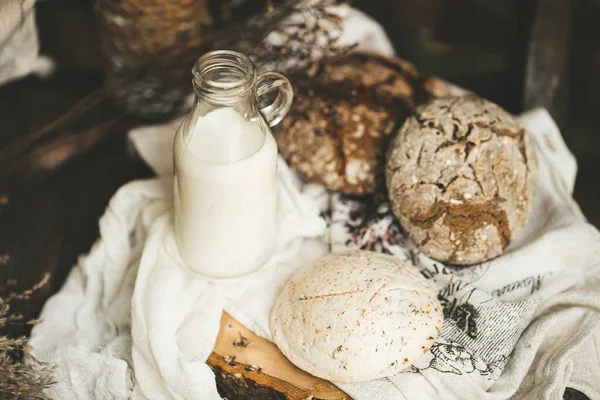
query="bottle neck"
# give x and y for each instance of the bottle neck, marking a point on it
(224, 79)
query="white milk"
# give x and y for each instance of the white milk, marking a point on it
(225, 194)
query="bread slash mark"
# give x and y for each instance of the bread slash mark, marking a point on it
(322, 296)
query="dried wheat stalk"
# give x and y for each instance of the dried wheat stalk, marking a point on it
(22, 376)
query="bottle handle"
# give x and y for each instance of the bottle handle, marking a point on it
(278, 109)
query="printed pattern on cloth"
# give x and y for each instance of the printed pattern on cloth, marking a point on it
(481, 326)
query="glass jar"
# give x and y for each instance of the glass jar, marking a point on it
(225, 163)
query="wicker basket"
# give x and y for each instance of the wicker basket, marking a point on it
(135, 37)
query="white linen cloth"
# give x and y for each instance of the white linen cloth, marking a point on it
(19, 45)
(130, 305)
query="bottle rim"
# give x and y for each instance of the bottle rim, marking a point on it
(223, 75)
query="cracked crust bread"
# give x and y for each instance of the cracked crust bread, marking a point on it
(340, 123)
(356, 316)
(461, 175)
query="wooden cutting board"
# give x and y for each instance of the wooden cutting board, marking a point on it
(247, 366)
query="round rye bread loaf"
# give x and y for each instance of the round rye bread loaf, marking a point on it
(339, 125)
(461, 175)
(356, 316)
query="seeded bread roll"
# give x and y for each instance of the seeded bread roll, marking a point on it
(356, 316)
(338, 128)
(461, 176)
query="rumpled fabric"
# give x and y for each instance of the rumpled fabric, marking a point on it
(131, 304)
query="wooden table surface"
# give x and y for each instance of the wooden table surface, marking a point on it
(46, 223)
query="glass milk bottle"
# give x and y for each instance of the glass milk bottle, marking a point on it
(225, 160)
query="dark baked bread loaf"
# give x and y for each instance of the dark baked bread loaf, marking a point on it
(338, 128)
(461, 176)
